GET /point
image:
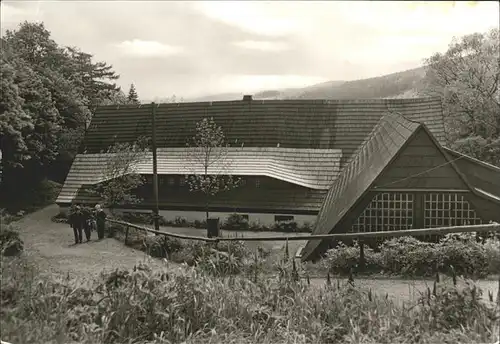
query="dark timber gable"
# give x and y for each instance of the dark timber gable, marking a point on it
(420, 165)
(399, 155)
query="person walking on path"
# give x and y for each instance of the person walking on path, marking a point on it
(87, 217)
(101, 221)
(76, 222)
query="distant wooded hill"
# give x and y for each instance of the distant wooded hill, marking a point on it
(406, 84)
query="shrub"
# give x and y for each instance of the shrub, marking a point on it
(200, 224)
(237, 248)
(342, 259)
(10, 241)
(492, 248)
(7, 218)
(287, 227)
(236, 222)
(141, 218)
(60, 218)
(161, 246)
(467, 256)
(306, 227)
(408, 256)
(181, 222)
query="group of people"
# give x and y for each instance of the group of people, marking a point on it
(84, 219)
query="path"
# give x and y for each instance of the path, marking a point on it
(408, 290)
(51, 245)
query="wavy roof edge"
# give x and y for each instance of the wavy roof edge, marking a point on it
(316, 171)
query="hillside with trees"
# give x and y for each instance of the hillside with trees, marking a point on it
(467, 77)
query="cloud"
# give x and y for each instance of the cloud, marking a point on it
(262, 45)
(140, 48)
(11, 14)
(250, 45)
(256, 17)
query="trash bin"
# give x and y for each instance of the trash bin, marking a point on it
(213, 227)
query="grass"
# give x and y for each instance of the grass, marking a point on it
(143, 305)
(203, 304)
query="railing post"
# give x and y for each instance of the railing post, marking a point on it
(126, 235)
(361, 256)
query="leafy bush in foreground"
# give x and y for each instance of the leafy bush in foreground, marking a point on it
(144, 306)
(10, 242)
(408, 256)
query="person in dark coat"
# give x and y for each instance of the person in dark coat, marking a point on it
(100, 216)
(87, 217)
(76, 222)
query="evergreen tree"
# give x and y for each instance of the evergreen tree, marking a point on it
(132, 97)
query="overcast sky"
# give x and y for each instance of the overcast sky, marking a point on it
(197, 48)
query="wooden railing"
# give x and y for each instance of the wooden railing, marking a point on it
(494, 227)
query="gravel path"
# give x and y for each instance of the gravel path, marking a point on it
(407, 290)
(51, 245)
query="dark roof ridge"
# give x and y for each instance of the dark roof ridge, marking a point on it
(276, 101)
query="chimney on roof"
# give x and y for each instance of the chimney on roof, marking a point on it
(247, 97)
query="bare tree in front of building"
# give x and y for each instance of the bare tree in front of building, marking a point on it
(207, 158)
(121, 178)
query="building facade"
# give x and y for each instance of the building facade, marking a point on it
(288, 153)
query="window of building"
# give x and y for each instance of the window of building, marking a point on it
(257, 183)
(448, 209)
(182, 181)
(171, 181)
(161, 180)
(283, 218)
(386, 212)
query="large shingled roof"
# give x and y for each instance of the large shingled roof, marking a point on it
(334, 124)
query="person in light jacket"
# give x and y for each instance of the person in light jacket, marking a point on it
(100, 216)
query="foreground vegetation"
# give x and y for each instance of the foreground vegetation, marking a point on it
(405, 256)
(195, 306)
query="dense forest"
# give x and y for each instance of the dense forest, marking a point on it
(49, 93)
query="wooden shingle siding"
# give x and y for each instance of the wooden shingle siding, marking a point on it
(289, 123)
(314, 169)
